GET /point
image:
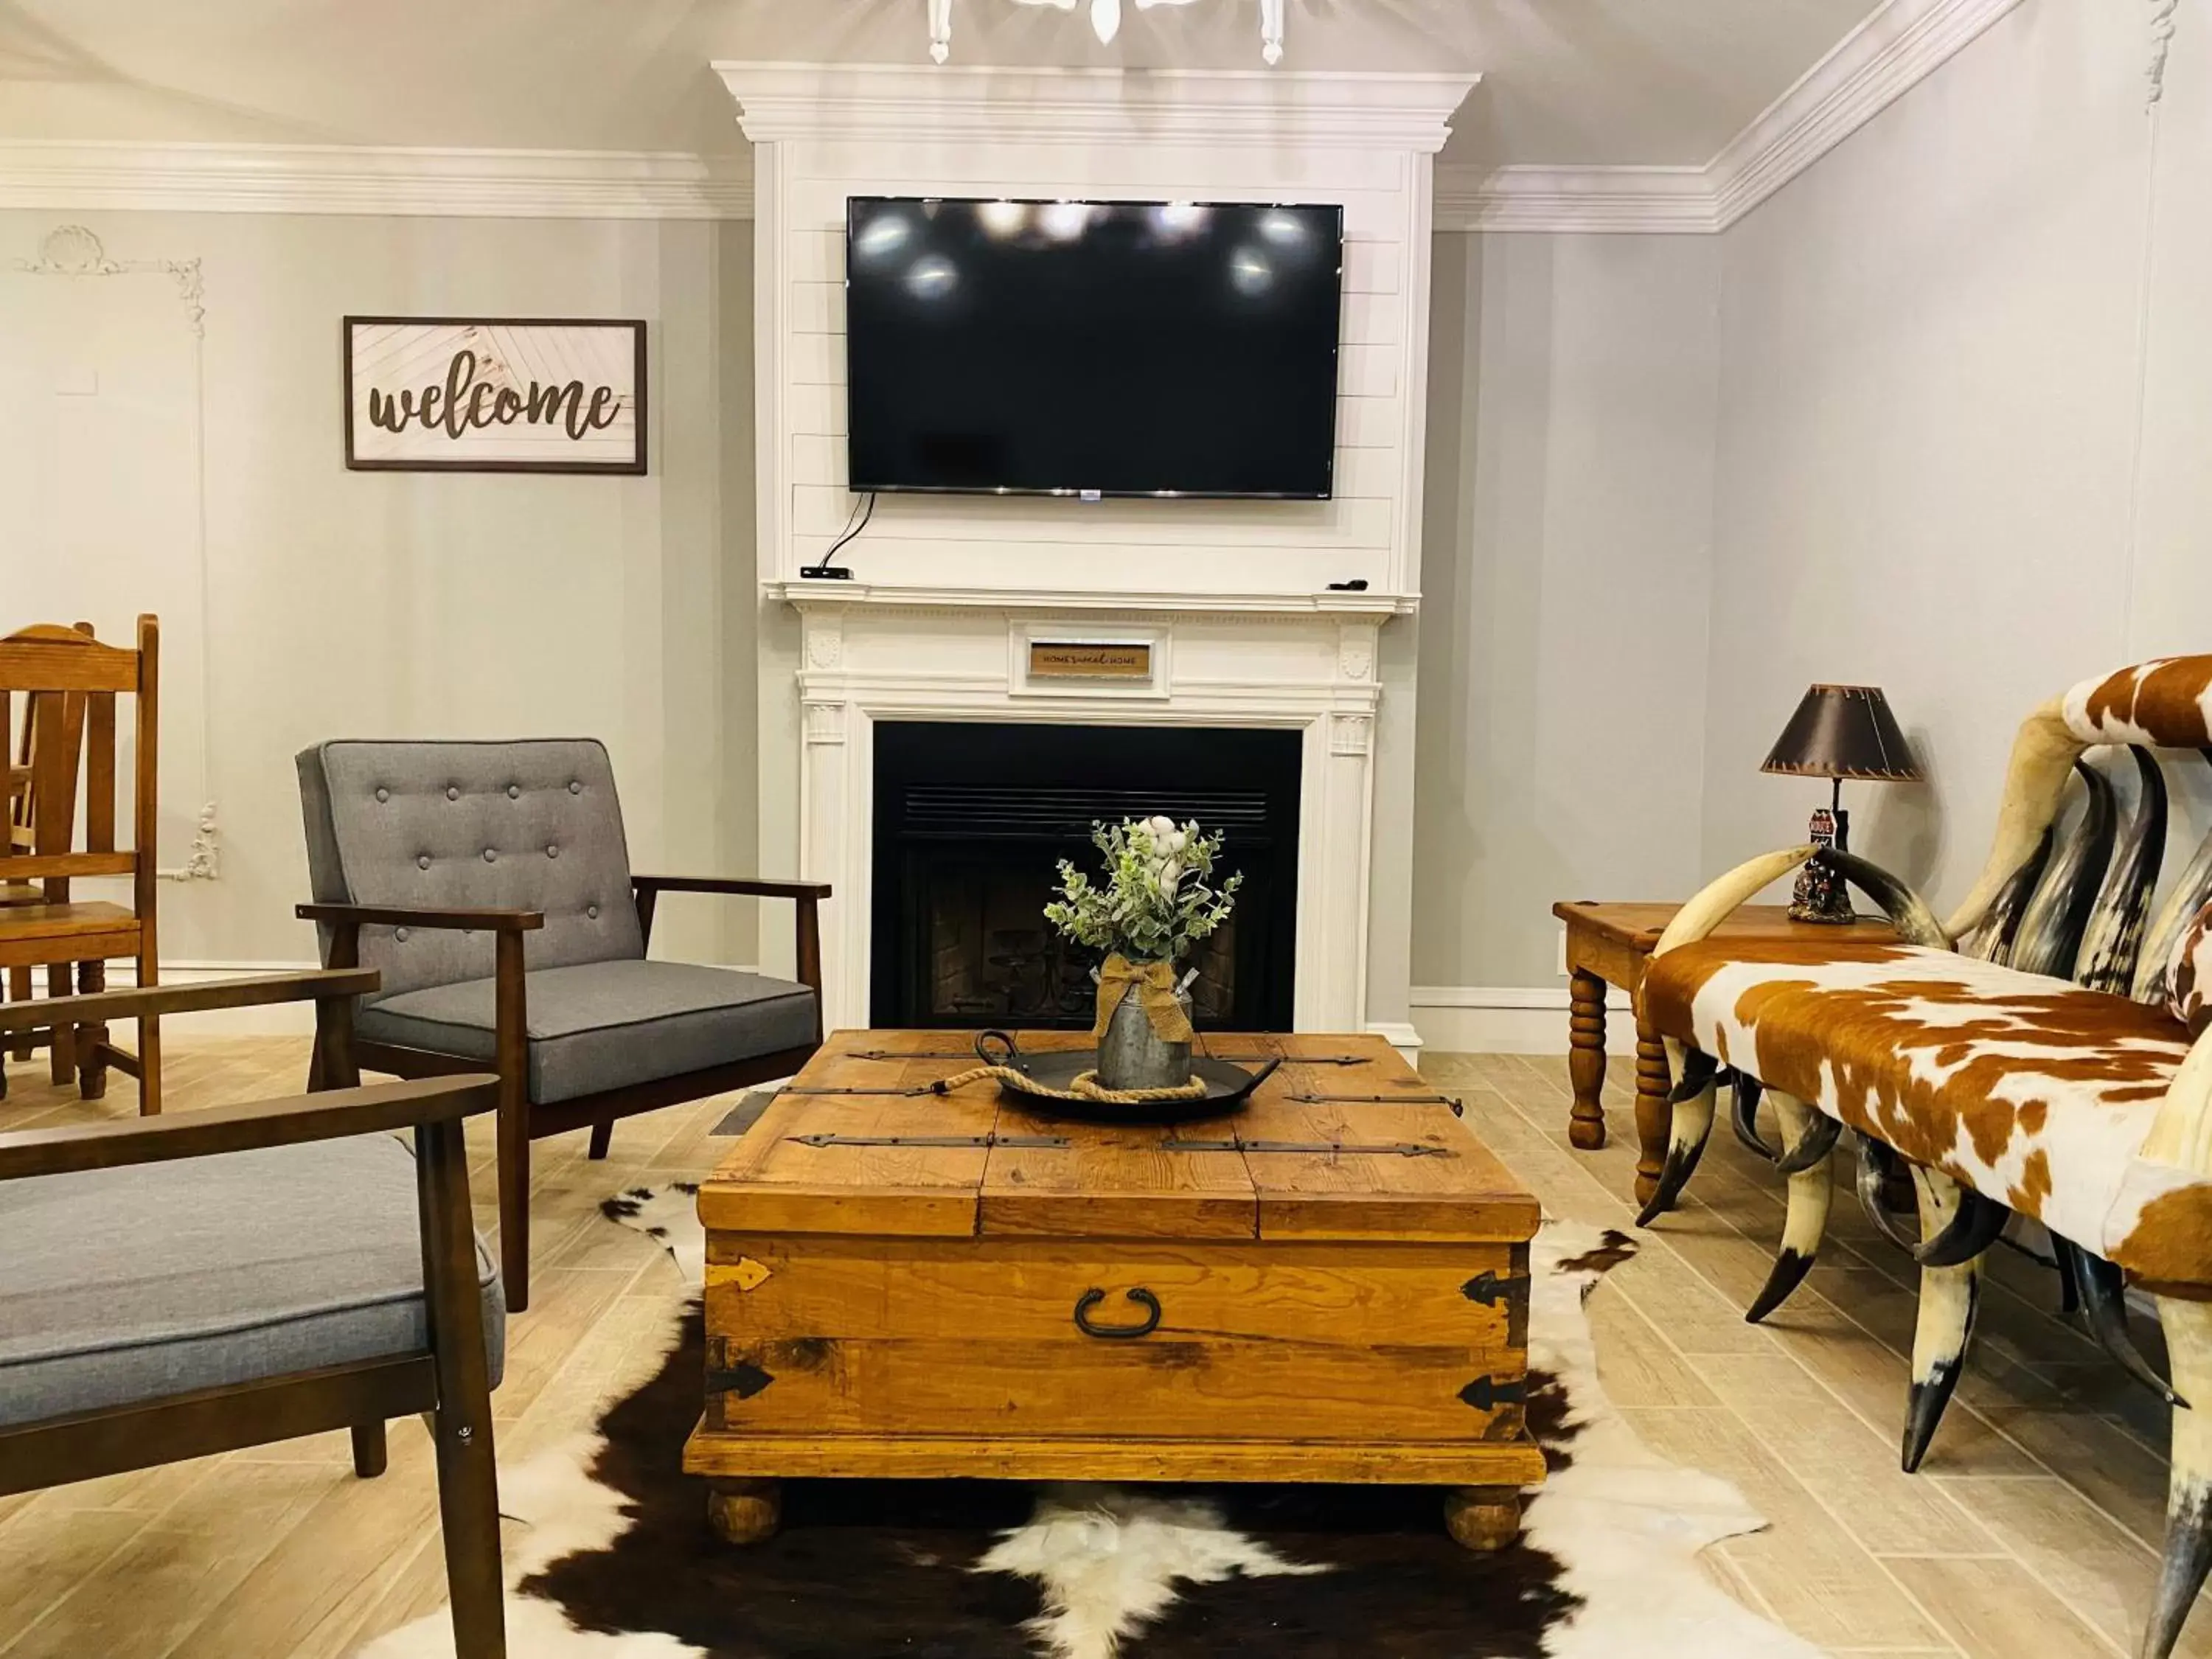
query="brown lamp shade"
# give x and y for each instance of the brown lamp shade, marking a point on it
(1843, 731)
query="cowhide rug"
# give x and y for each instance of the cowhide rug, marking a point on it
(609, 1555)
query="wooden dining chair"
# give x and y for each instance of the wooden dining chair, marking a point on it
(69, 682)
(34, 735)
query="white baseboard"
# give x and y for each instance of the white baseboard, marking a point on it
(1510, 1020)
(1401, 1036)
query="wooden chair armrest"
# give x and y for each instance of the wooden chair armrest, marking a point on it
(390, 915)
(329, 1116)
(97, 1007)
(752, 886)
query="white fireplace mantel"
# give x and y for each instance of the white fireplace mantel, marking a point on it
(1258, 613)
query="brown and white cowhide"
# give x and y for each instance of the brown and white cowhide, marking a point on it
(609, 1555)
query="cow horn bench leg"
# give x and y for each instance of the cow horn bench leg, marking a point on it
(1483, 1518)
(2188, 1327)
(1811, 1185)
(1692, 1123)
(745, 1511)
(2100, 1288)
(1949, 1298)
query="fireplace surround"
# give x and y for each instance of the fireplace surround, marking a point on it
(1252, 616)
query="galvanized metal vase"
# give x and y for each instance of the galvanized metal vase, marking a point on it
(1134, 1056)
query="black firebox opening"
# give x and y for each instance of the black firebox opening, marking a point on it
(972, 820)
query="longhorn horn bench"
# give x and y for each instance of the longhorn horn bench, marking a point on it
(906, 1285)
(2085, 1106)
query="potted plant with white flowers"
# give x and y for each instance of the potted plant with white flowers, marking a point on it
(1158, 900)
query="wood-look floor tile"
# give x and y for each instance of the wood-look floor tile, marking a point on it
(1996, 1608)
(1851, 1464)
(1812, 1574)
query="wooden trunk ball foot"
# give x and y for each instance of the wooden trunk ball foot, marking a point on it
(1483, 1517)
(745, 1511)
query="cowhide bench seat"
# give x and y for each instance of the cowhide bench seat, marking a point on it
(2043, 1052)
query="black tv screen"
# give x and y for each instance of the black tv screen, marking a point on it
(1078, 347)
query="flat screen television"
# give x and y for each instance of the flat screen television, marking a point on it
(1092, 348)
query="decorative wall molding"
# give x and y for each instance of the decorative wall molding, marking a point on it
(1891, 52)
(74, 250)
(498, 183)
(904, 103)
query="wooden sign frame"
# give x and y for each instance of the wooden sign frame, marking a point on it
(1090, 660)
(516, 396)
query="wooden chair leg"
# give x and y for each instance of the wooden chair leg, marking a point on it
(370, 1456)
(513, 1049)
(150, 1065)
(92, 1058)
(603, 1135)
(61, 1054)
(468, 1478)
(21, 988)
(514, 1193)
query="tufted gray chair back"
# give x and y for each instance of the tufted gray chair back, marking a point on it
(529, 825)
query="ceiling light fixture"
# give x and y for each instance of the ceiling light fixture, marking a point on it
(1106, 22)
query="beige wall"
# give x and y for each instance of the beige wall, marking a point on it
(1565, 562)
(1940, 348)
(398, 605)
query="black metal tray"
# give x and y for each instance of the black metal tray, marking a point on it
(1228, 1087)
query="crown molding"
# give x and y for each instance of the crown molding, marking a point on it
(968, 104)
(1664, 200)
(1892, 51)
(1895, 49)
(499, 184)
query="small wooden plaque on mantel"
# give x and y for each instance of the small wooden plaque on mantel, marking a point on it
(1077, 660)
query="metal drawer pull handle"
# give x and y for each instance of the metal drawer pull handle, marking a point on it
(1143, 1297)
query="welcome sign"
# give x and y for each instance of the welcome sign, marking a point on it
(458, 394)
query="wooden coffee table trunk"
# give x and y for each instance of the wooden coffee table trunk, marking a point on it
(901, 1286)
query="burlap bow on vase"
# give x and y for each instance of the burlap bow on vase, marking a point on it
(1153, 984)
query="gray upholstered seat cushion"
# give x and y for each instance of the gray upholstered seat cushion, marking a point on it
(121, 1286)
(607, 1024)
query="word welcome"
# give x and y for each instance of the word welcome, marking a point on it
(463, 403)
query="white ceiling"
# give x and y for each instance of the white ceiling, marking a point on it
(1566, 82)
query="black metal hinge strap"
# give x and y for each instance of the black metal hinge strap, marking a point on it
(742, 1379)
(1491, 1288)
(957, 1141)
(1378, 1149)
(1487, 1394)
(1376, 1100)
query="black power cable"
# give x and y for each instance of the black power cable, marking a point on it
(826, 571)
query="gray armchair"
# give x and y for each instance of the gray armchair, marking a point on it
(202, 1281)
(489, 884)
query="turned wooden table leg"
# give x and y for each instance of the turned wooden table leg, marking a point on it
(745, 1511)
(1483, 1517)
(1586, 1058)
(1653, 1118)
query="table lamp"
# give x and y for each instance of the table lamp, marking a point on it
(1839, 731)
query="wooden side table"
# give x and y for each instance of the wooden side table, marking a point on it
(1609, 945)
